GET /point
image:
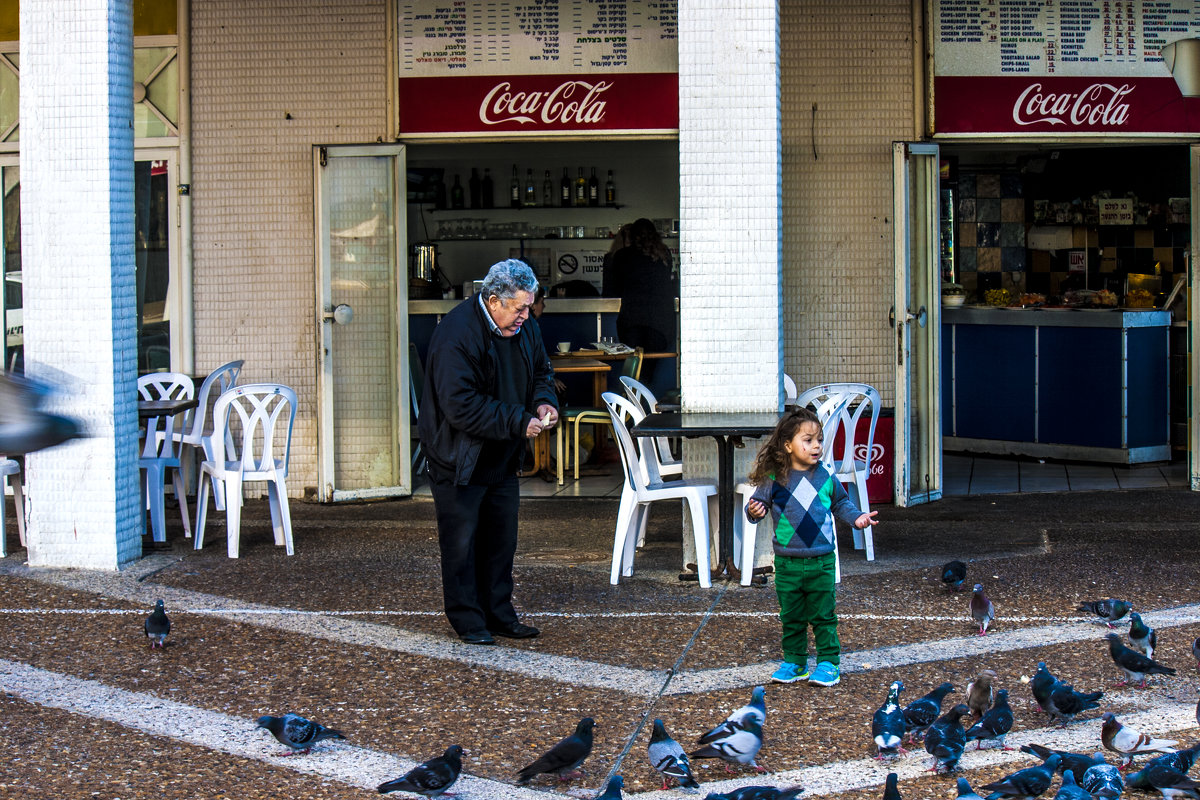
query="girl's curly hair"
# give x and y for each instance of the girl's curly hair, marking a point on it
(773, 461)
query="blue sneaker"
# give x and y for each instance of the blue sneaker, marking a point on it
(790, 673)
(826, 674)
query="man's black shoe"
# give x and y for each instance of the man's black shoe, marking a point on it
(516, 630)
(477, 637)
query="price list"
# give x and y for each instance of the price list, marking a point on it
(1058, 37)
(512, 37)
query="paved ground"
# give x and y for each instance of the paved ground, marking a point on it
(349, 632)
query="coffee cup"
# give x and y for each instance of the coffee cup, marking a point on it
(564, 347)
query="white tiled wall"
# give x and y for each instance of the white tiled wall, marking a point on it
(77, 215)
(270, 79)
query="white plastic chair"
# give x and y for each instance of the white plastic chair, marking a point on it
(160, 449)
(10, 472)
(248, 418)
(851, 464)
(745, 532)
(643, 398)
(789, 389)
(644, 485)
(197, 427)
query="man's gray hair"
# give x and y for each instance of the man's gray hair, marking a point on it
(507, 278)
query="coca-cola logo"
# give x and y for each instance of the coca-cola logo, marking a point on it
(569, 103)
(1100, 104)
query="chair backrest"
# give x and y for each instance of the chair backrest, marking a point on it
(789, 389)
(639, 472)
(639, 393)
(160, 432)
(166, 386)
(223, 378)
(633, 364)
(249, 415)
(859, 399)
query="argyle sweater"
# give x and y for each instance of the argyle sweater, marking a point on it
(803, 511)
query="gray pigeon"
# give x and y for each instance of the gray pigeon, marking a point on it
(755, 710)
(1109, 610)
(157, 626)
(953, 575)
(1075, 763)
(739, 747)
(1070, 790)
(430, 778)
(1171, 782)
(1181, 760)
(888, 725)
(564, 757)
(965, 792)
(1042, 685)
(668, 758)
(1065, 702)
(982, 610)
(995, 723)
(1025, 783)
(891, 787)
(946, 739)
(296, 732)
(980, 692)
(758, 793)
(612, 791)
(921, 713)
(1103, 780)
(1135, 665)
(1141, 635)
(1196, 651)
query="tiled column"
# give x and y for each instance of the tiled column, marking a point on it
(77, 236)
(729, 185)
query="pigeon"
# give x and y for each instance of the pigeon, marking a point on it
(24, 426)
(1103, 780)
(1135, 665)
(1065, 702)
(565, 757)
(612, 791)
(1171, 782)
(981, 693)
(1025, 783)
(1196, 651)
(1043, 685)
(1075, 763)
(920, 714)
(430, 778)
(157, 626)
(1127, 741)
(1142, 636)
(945, 739)
(668, 758)
(296, 732)
(888, 725)
(891, 787)
(982, 610)
(953, 575)
(758, 793)
(995, 723)
(1181, 760)
(1107, 610)
(965, 792)
(755, 710)
(738, 747)
(1071, 790)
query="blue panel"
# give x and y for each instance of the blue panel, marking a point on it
(1147, 377)
(947, 380)
(994, 382)
(1080, 386)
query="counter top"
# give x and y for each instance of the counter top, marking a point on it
(554, 305)
(1057, 317)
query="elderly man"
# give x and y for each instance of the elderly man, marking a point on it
(489, 388)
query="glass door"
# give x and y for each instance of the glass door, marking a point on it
(917, 321)
(1193, 328)
(362, 323)
(10, 221)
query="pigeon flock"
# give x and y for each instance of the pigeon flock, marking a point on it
(984, 716)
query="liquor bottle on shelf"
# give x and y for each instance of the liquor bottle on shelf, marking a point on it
(456, 193)
(581, 189)
(547, 191)
(610, 191)
(593, 189)
(488, 189)
(564, 190)
(439, 194)
(530, 189)
(514, 190)
(475, 189)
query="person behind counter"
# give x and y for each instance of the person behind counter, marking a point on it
(641, 275)
(488, 388)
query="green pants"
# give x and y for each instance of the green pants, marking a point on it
(807, 596)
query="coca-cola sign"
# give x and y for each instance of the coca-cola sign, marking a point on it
(1055, 105)
(539, 104)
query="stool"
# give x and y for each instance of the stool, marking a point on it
(9, 467)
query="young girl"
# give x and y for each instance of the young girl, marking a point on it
(803, 497)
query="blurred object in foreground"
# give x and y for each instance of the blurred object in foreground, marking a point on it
(23, 427)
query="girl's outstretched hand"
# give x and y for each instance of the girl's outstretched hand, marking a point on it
(866, 520)
(756, 509)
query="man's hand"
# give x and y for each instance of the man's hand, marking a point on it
(548, 415)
